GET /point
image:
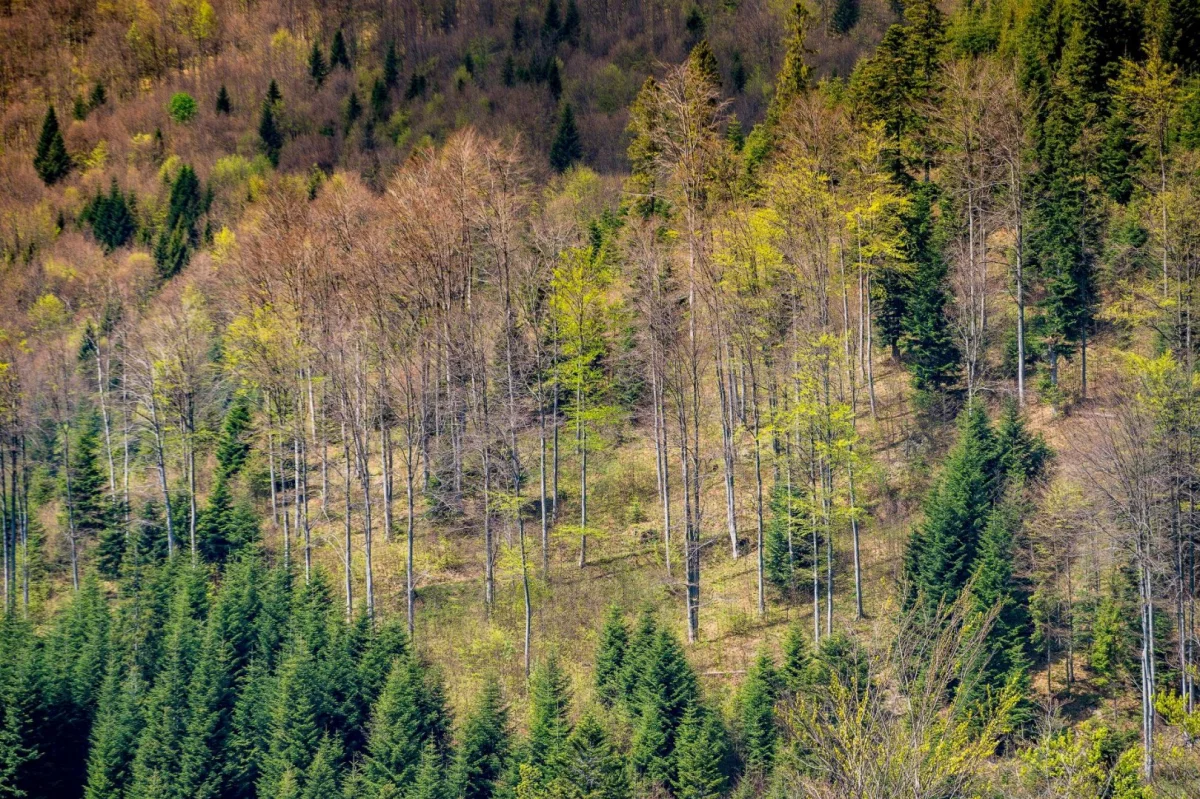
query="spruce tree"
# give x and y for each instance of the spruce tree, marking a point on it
(409, 713)
(641, 643)
(233, 446)
(572, 23)
(98, 97)
(321, 776)
(702, 755)
(667, 691)
(338, 55)
(942, 548)
(317, 68)
(610, 657)
(794, 674)
(787, 550)
(430, 782)
(566, 148)
(353, 110)
(757, 716)
(483, 752)
(294, 734)
(268, 131)
(995, 588)
(549, 709)
(589, 766)
(250, 729)
(224, 105)
(391, 66)
(551, 20)
(273, 94)
(51, 159)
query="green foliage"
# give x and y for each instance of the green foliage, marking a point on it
(391, 66)
(112, 217)
(610, 657)
(567, 147)
(667, 690)
(844, 17)
(757, 724)
(409, 713)
(182, 107)
(179, 236)
(224, 104)
(549, 714)
(589, 766)
(339, 56)
(702, 754)
(50, 158)
(268, 130)
(318, 70)
(788, 541)
(484, 746)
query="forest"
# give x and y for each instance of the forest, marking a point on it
(599, 399)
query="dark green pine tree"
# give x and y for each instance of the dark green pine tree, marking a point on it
(112, 219)
(273, 94)
(90, 509)
(391, 66)
(250, 729)
(941, 550)
(20, 706)
(233, 446)
(759, 735)
(409, 713)
(430, 782)
(554, 79)
(294, 734)
(50, 158)
(114, 733)
(551, 21)
(160, 745)
(549, 714)
(795, 671)
(667, 691)
(321, 776)
(701, 755)
(787, 551)
(483, 752)
(318, 70)
(839, 657)
(641, 644)
(98, 97)
(610, 657)
(1021, 455)
(224, 105)
(385, 644)
(572, 24)
(379, 99)
(995, 587)
(589, 766)
(567, 148)
(926, 342)
(703, 62)
(179, 234)
(353, 110)
(209, 710)
(844, 16)
(268, 131)
(339, 56)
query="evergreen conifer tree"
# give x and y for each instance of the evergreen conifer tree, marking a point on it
(407, 715)
(942, 549)
(667, 691)
(483, 752)
(641, 643)
(610, 657)
(566, 148)
(224, 105)
(430, 782)
(317, 68)
(294, 734)
(797, 660)
(339, 56)
(549, 708)
(321, 776)
(757, 705)
(391, 66)
(51, 159)
(250, 730)
(233, 446)
(268, 131)
(589, 766)
(701, 756)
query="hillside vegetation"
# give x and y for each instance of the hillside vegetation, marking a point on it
(599, 399)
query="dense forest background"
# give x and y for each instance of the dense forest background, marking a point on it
(599, 398)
